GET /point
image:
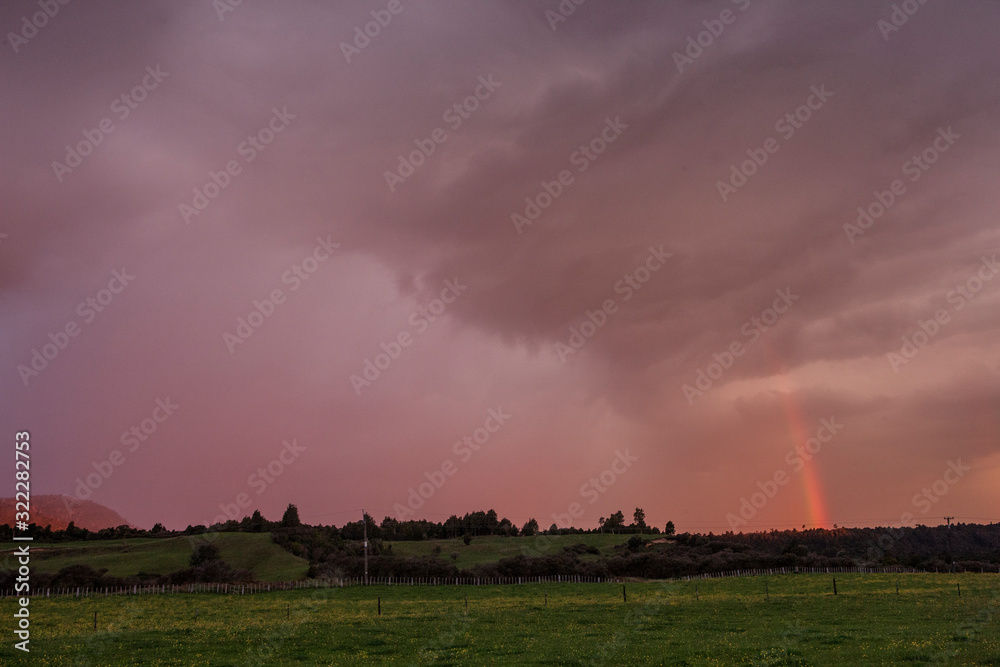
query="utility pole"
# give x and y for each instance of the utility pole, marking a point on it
(364, 522)
(950, 555)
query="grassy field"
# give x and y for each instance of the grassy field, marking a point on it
(492, 548)
(731, 623)
(269, 562)
(123, 558)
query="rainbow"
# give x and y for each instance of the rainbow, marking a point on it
(812, 485)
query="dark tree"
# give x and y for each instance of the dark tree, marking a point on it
(204, 553)
(505, 527)
(669, 530)
(492, 522)
(639, 518)
(529, 528)
(290, 519)
(258, 524)
(615, 521)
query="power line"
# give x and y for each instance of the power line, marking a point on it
(952, 558)
(364, 521)
(699, 524)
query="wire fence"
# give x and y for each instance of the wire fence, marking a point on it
(341, 582)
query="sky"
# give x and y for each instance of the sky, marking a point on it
(732, 262)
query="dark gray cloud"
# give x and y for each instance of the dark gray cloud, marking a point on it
(344, 125)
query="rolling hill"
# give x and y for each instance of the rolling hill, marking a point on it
(57, 511)
(126, 558)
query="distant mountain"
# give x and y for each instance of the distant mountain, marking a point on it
(58, 511)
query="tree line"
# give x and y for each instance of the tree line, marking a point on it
(333, 551)
(472, 524)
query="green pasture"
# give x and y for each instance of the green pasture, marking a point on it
(490, 549)
(781, 620)
(125, 558)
